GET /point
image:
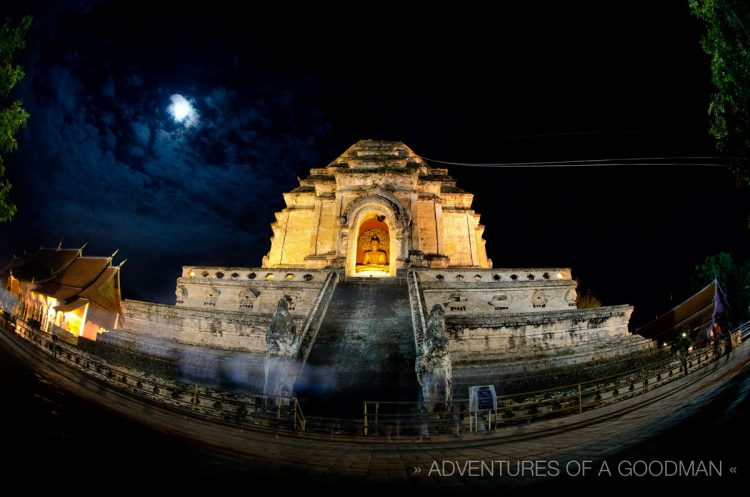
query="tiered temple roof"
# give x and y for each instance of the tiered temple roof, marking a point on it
(67, 276)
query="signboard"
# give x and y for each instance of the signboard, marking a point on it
(482, 398)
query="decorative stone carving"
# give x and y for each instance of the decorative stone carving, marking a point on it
(571, 297)
(538, 299)
(212, 295)
(499, 302)
(433, 365)
(384, 199)
(247, 298)
(282, 345)
(382, 235)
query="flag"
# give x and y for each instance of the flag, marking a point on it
(720, 313)
(719, 306)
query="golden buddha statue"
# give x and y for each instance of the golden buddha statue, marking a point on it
(375, 258)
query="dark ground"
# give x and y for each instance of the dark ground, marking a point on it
(50, 439)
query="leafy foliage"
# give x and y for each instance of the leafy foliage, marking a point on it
(727, 42)
(12, 117)
(682, 343)
(587, 299)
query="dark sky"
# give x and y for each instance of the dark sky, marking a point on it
(279, 91)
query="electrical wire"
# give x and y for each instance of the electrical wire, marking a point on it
(626, 161)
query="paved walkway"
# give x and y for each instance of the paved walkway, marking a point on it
(593, 435)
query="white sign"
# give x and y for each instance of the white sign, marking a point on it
(482, 398)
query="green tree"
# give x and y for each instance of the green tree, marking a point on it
(587, 299)
(734, 279)
(12, 117)
(727, 42)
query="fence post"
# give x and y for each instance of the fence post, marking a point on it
(643, 379)
(195, 396)
(580, 400)
(377, 420)
(365, 416)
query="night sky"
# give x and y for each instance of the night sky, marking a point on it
(279, 91)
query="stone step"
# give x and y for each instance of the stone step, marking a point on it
(364, 350)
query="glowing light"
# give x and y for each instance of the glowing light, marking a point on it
(182, 110)
(191, 273)
(74, 321)
(559, 276)
(684, 334)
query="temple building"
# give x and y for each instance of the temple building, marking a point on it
(61, 290)
(364, 254)
(377, 192)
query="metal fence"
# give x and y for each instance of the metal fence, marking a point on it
(380, 419)
(229, 408)
(395, 419)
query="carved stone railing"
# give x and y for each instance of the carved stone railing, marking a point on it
(418, 308)
(496, 276)
(315, 317)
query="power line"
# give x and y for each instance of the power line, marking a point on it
(626, 161)
(525, 137)
(552, 134)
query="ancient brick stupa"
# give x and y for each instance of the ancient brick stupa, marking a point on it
(377, 283)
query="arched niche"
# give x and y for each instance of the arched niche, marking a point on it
(373, 254)
(373, 213)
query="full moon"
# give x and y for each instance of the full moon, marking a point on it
(182, 110)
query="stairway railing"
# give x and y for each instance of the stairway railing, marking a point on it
(315, 317)
(418, 316)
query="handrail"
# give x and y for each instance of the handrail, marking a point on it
(551, 402)
(314, 318)
(405, 417)
(417, 310)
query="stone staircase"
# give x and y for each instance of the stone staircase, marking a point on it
(364, 350)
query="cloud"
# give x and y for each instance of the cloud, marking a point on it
(103, 162)
(141, 132)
